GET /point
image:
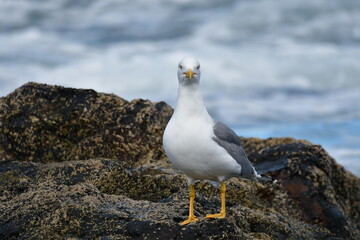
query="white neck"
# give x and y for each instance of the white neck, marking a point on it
(190, 102)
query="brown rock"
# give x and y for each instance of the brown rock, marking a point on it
(43, 123)
(326, 193)
(125, 188)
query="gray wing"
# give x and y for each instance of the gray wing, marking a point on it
(228, 139)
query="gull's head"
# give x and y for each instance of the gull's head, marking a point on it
(188, 71)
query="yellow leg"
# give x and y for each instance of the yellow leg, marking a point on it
(192, 217)
(222, 213)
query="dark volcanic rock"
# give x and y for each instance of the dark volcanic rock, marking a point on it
(77, 164)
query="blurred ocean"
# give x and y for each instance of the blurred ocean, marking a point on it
(270, 68)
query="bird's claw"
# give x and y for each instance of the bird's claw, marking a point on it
(189, 220)
(218, 215)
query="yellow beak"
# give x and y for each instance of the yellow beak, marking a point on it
(189, 74)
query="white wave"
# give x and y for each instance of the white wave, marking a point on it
(269, 45)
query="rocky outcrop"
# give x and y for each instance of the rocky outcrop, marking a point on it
(43, 123)
(79, 164)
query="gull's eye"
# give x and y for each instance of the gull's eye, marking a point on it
(198, 67)
(180, 66)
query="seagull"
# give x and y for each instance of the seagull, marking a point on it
(199, 146)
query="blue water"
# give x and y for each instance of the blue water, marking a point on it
(271, 68)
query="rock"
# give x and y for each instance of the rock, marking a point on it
(328, 195)
(77, 164)
(43, 123)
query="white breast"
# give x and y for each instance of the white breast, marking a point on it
(189, 145)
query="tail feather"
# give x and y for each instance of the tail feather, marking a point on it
(266, 178)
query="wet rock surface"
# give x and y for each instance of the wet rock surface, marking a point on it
(77, 164)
